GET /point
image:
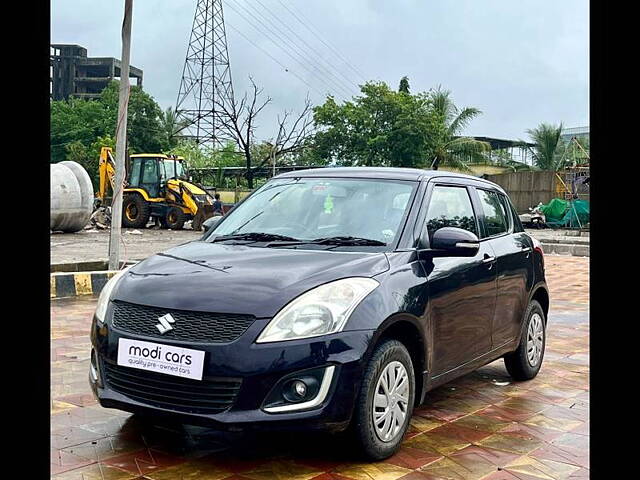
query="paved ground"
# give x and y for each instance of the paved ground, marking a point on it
(93, 245)
(481, 426)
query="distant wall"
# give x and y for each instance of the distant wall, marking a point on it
(477, 169)
(527, 189)
(232, 196)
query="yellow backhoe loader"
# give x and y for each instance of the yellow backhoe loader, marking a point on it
(156, 186)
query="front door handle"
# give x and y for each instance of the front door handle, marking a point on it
(488, 260)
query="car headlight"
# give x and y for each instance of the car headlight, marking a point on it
(105, 294)
(320, 311)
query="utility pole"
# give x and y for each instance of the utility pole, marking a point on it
(273, 158)
(121, 140)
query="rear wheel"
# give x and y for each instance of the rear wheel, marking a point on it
(385, 403)
(175, 218)
(525, 362)
(135, 211)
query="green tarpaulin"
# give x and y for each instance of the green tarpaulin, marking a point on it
(566, 213)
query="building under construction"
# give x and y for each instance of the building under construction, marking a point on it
(74, 74)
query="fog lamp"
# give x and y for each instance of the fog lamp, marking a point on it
(300, 388)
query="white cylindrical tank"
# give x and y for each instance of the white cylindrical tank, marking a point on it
(71, 197)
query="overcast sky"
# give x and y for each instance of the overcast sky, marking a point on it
(521, 62)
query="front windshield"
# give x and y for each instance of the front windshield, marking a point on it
(309, 209)
(170, 167)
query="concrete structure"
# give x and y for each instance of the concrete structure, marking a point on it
(74, 74)
(578, 132)
(71, 197)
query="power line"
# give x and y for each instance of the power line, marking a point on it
(273, 58)
(285, 50)
(319, 37)
(347, 81)
(346, 85)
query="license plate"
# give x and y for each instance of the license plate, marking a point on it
(156, 357)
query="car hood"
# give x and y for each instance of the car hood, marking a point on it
(214, 277)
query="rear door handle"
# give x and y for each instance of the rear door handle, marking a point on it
(526, 249)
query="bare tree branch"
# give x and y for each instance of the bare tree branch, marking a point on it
(238, 122)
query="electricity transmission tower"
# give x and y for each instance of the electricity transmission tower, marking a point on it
(206, 75)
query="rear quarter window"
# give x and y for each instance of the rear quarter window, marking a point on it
(496, 218)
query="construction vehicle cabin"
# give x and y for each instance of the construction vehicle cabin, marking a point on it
(155, 186)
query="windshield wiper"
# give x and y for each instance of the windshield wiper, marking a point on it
(335, 241)
(256, 237)
(348, 241)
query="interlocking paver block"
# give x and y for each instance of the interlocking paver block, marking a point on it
(475, 427)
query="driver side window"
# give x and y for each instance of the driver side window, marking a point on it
(450, 207)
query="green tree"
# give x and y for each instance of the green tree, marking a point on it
(204, 156)
(383, 127)
(445, 145)
(404, 85)
(546, 154)
(171, 126)
(145, 133)
(380, 127)
(80, 128)
(74, 121)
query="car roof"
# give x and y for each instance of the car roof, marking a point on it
(384, 173)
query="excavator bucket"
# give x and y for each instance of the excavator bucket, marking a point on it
(204, 212)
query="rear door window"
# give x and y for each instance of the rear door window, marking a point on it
(495, 214)
(450, 206)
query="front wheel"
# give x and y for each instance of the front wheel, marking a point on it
(175, 218)
(385, 402)
(525, 362)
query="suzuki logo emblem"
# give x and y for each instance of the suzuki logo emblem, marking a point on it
(165, 321)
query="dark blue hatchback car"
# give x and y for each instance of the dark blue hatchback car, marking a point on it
(328, 299)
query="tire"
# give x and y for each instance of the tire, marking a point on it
(390, 354)
(175, 218)
(519, 363)
(135, 211)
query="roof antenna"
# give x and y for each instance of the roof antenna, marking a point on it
(435, 163)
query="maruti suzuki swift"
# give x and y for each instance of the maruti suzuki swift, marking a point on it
(328, 299)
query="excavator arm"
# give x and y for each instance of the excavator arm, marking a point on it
(107, 171)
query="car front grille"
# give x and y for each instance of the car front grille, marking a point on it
(198, 327)
(209, 396)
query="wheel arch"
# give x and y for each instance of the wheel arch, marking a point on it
(540, 293)
(407, 330)
(140, 191)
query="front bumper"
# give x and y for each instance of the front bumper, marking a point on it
(260, 367)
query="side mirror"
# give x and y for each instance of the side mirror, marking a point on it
(209, 224)
(454, 242)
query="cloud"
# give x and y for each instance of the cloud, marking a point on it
(520, 62)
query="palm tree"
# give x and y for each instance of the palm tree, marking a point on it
(447, 147)
(171, 126)
(546, 153)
